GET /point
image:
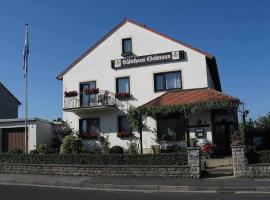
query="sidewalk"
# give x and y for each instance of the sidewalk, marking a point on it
(139, 184)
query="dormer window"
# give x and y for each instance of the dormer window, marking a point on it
(126, 47)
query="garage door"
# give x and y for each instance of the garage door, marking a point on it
(12, 139)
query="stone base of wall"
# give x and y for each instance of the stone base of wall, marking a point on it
(102, 170)
(253, 171)
(242, 169)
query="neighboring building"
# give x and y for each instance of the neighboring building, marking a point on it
(9, 104)
(134, 65)
(12, 134)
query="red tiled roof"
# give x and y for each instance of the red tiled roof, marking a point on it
(60, 76)
(184, 97)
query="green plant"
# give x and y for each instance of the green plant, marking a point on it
(16, 151)
(61, 129)
(193, 142)
(116, 150)
(71, 145)
(42, 148)
(105, 144)
(133, 146)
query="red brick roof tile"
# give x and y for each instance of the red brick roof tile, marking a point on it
(191, 96)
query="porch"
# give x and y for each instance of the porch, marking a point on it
(205, 114)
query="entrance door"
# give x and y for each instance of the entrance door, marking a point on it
(13, 139)
(222, 137)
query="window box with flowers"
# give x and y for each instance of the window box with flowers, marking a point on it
(124, 134)
(71, 93)
(91, 91)
(89, 135)
(122, 95)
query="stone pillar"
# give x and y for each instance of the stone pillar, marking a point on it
(194, 161)
(239, 161)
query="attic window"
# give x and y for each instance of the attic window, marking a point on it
(126, 47)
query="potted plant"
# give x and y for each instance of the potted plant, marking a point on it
(71, 93)
(124, 134)
(89, 135)
(193, 142)
(208, 150)
(122, 95)
(91, 91)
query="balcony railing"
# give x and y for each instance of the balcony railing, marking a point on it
(99, 98)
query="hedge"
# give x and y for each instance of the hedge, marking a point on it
(264, 156)
(96, 159)
(258, 157)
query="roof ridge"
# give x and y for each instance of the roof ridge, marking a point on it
(107, 35)
(10, 93)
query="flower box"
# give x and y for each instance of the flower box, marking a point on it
(123, 134)
(208, 150)
(89, 135)
(71, 93)
(122, 95)
(91, 91)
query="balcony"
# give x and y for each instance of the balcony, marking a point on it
(94, 99)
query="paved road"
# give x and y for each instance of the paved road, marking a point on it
(42, 193)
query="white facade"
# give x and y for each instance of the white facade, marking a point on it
(96, 66)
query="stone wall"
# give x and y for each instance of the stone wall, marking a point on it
(192, 170)
(241, 167)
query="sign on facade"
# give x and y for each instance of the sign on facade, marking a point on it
(149, 59)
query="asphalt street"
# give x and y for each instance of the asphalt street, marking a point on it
(46, 193)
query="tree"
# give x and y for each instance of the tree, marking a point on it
(61, 129)
(136, 119)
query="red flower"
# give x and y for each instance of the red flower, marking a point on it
(124, 134)
(91, 91)
(122, 95)
(71, 93)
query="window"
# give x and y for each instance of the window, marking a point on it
(87, 99)
(126, 46)
(122, 85)
(89, 125)
(170, 129)
(123, 125)
(167, 81)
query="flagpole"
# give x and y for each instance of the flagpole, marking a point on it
(26, 51)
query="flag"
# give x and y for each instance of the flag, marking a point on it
(25, 51)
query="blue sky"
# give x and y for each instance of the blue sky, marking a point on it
(236, 32)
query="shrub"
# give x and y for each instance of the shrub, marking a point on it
(16, 151)
(133, 146)
(116, 150)
(96, 159)
(71, 144)
(42, 148)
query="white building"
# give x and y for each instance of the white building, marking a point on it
(135, 65)
(12, 134)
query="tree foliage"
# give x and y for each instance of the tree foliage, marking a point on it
(71, 145)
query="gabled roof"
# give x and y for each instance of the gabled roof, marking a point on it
(60, 76)
(190, 96)
(1, 84)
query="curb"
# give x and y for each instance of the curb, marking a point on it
(147, 188)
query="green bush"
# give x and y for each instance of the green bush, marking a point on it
(71, 145)
(258, 156)
(16, 151)
(116, 150)
(96, 159)
(42, 148)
